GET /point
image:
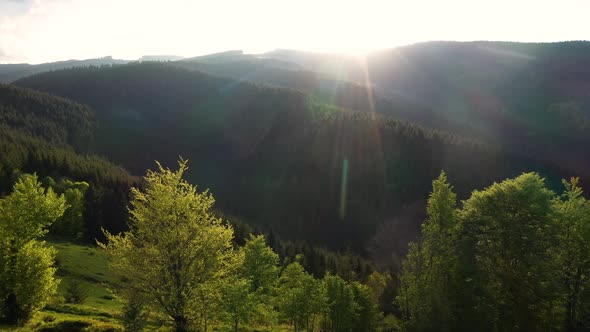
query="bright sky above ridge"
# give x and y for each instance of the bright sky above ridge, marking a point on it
(50, 30)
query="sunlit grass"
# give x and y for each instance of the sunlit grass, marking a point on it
(89, 266)
(101, 311)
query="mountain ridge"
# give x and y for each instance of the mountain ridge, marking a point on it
(275, 156)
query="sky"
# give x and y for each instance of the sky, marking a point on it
(38, 31)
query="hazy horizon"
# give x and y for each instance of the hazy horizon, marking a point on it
(186, 56)
(36, 31)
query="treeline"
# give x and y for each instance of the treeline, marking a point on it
(178, 261)
(36, 134)
(275, 157)
(317, 260)
(98, 200)
(512, 257)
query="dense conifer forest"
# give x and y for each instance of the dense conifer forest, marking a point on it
(265, 150)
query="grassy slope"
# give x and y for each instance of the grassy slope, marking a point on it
(90, 267)
(101, 310)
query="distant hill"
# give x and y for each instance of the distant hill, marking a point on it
(276, 157)
(220, 57)
(338, 91)
(525, 96)
(12, 72)
(161, 58)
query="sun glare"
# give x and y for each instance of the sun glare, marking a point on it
(38, 31)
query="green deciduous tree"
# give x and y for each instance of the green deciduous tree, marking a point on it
(342, 308)
(515, 260)
(367, 314)
(301, 298)
(260, 264)
(377, 283)
(237, 301)
(208, 300)
(260, 268)
(508, 231)
(573, 254)
(71, 224)
(26, 265)
(175, 245)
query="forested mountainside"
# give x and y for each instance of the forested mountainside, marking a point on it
(335, 90)
(56, 120)
(279, 158)
(49, 135)
(524, 96)
(314, 207)
(527, 97)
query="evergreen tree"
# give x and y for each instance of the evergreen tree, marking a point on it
(75, 292)
(426, 289)
(134, 312)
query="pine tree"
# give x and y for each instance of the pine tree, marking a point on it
(426, 290)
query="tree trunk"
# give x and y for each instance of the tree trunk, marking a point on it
(180, 324)
(11, 309)
(573, 314)
(236, 325)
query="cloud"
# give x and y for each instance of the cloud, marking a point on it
(51, 30)
(5, 57)
(14, 7)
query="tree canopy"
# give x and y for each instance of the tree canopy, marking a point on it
(511, 258)
(175, 244)
(26, 264)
